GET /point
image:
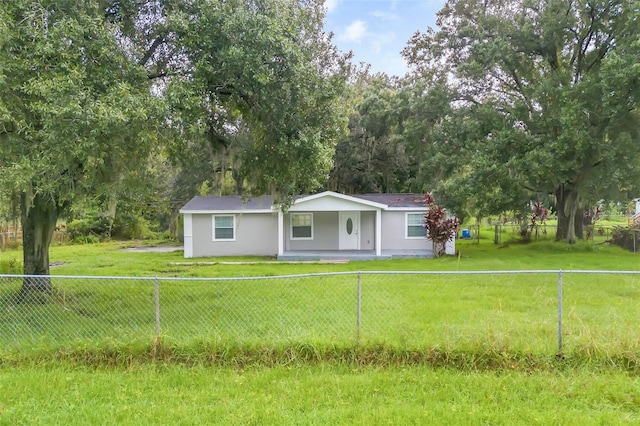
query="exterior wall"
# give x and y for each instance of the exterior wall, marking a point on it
(256, 234)
(393, 233)
(188, 235)
(325, 233)
(450, 246)
(367, 230)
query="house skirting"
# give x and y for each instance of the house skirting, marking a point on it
(353, 254)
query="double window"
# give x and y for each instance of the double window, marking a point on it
(415, 225)
(224, 228)
(302, 226)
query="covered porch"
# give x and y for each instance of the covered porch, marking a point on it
(330, 226)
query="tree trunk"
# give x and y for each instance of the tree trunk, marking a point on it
(569, 214)
(439, 249)
(39, 216)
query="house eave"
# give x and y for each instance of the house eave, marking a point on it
(407, 209)
(182, 211)
(300, 201)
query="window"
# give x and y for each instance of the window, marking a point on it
(415, 225)
(224, 228)
(302, 226)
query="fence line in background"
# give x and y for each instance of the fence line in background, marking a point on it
(389, 305)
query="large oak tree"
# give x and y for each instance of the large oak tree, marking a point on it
(75, 110)
(545, 99)
(90, 89)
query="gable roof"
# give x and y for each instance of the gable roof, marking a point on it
(394, 200)
(339, 198)
(264, 203)
(228, 203)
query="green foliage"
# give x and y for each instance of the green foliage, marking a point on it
(133, 228)
(76, 110)
(373, 156)
(627, 238)
(259, 94)
(544, 100)
(10, 266)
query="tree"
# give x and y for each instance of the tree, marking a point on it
(260, 86)
(75, 110)
(89, 87)
(545, 98)
(372, 157)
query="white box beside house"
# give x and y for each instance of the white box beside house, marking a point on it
(324, 225)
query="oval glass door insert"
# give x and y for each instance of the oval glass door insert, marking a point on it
(349, 226)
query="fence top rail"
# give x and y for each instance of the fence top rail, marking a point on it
(325, 274)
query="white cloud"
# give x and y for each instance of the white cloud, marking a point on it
(381, 42)
(388, 16)
(330, 5)
(354, 32)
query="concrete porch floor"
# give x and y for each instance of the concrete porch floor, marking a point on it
(353, 254)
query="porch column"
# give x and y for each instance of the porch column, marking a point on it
(280, 233)
(378, 232)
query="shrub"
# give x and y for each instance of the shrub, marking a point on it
(627, 238)
(11, 266)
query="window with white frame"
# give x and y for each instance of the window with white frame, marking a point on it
(415, 225)
(224, 228)
(302, 226)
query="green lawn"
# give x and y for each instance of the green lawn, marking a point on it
(447, 349)
(323, 394)
(107, 259)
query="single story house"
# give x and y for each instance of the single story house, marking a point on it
(327, 225)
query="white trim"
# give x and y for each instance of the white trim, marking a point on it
(188, 236)
(223, 212)
(407, 209)
(341, 197)
(280, 233)
(406, 228)
(291, 237)
(213, 228)
(379, 232)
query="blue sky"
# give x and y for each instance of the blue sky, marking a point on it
(377, 30)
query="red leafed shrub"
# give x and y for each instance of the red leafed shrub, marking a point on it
(439, 228)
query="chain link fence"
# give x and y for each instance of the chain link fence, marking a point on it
(531, 311)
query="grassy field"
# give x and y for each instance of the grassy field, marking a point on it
(437, 349)
(314, 395)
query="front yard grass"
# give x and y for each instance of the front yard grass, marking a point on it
(461, 350)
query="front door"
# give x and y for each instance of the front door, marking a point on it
(349, 233)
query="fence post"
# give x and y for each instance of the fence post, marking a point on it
(157, 302)
(560, 311)
(359, 306)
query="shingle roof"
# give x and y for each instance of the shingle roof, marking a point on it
(264, 202)
(229, 202)
(393, 200)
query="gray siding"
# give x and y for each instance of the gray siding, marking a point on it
(325, 233)
(367, 230)
(393, 233)
(256, 235)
